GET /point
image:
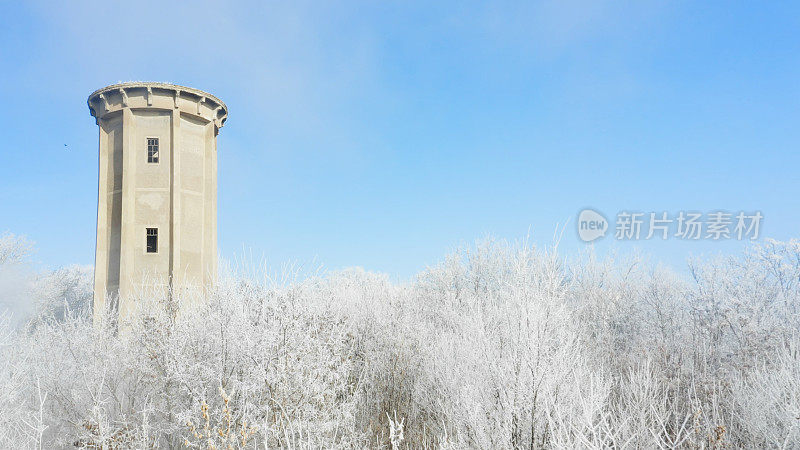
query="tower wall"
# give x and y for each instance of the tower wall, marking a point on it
(176, 195)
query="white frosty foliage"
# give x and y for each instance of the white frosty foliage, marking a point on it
(499, 346)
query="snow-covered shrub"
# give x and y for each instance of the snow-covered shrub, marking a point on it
(498, 346)
(767, 400)
(64, 291)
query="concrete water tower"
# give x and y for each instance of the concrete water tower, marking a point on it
(157, 198)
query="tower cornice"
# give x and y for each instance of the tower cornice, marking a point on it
(145, 94)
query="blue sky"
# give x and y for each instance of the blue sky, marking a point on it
(385, 134)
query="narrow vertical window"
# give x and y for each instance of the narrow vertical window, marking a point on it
(152, 150)
(152, 240)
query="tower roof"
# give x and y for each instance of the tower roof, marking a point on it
(112, 97)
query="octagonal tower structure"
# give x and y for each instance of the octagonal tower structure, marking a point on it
(157, 197)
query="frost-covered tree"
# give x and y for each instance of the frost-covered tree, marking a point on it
(498, 346)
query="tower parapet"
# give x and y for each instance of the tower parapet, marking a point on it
(135, 94)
